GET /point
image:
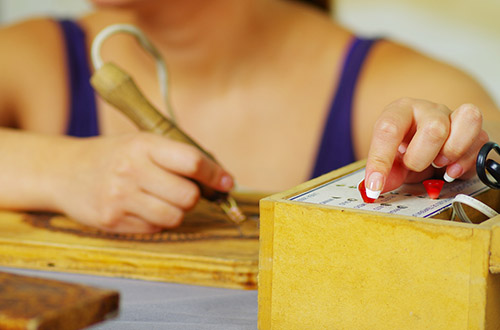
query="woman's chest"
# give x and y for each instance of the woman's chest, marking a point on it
(266, 137)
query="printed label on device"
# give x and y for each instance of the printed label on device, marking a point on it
(409, 199)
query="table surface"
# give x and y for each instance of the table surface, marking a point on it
(157, 305)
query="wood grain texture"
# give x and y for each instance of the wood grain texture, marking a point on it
(327, 267)
(40, 304)
(205, 250)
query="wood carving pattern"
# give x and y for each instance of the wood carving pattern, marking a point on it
(204, 223)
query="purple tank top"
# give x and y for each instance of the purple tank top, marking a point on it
(83, 121)
(336, 147)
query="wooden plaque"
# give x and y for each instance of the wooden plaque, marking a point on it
(33, 303)
(206, 249)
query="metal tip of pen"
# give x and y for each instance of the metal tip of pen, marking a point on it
(232, 210)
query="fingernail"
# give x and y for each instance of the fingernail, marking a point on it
(226, 182)
(440, 161)
(435, 166)
(362, 192)
(448, 178)
(402, 148)
(453, 172)
(374, 185)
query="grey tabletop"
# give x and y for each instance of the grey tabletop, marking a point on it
(156, 305)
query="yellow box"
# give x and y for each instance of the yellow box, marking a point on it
(326, 267)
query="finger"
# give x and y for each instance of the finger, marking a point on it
(188, 161)
(170, 188)
(433, 128)
(417, 177)
(130, 224)
(389, 132)
(466, 122)
(465, 166)
(204, 170)
(154, 211)
(400, 174)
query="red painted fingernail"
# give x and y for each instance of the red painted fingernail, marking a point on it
(362, 191)
(433, 187)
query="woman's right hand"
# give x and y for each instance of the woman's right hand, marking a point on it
(133, 183)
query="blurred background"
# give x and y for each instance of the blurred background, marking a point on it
(465, 33)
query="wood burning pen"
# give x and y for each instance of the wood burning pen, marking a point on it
(118, 88)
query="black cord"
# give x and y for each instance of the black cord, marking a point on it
(483, 164)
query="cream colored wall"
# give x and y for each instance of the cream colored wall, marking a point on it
(11, 10)
(465, 33)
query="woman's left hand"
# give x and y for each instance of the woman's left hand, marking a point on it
(414, 138)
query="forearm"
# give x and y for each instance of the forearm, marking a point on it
(30, 169)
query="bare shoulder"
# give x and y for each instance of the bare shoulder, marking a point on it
(393, 71)
(401, 71)
(31, 42)
(33, 66)
(28, 29)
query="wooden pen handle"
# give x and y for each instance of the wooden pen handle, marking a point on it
(118, 88)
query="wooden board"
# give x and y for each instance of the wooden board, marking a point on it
(34, 303)
(205, 250)
(328, 267)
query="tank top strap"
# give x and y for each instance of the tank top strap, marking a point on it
(336, 147)
(83, 121)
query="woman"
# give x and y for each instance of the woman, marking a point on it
(253, 81)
